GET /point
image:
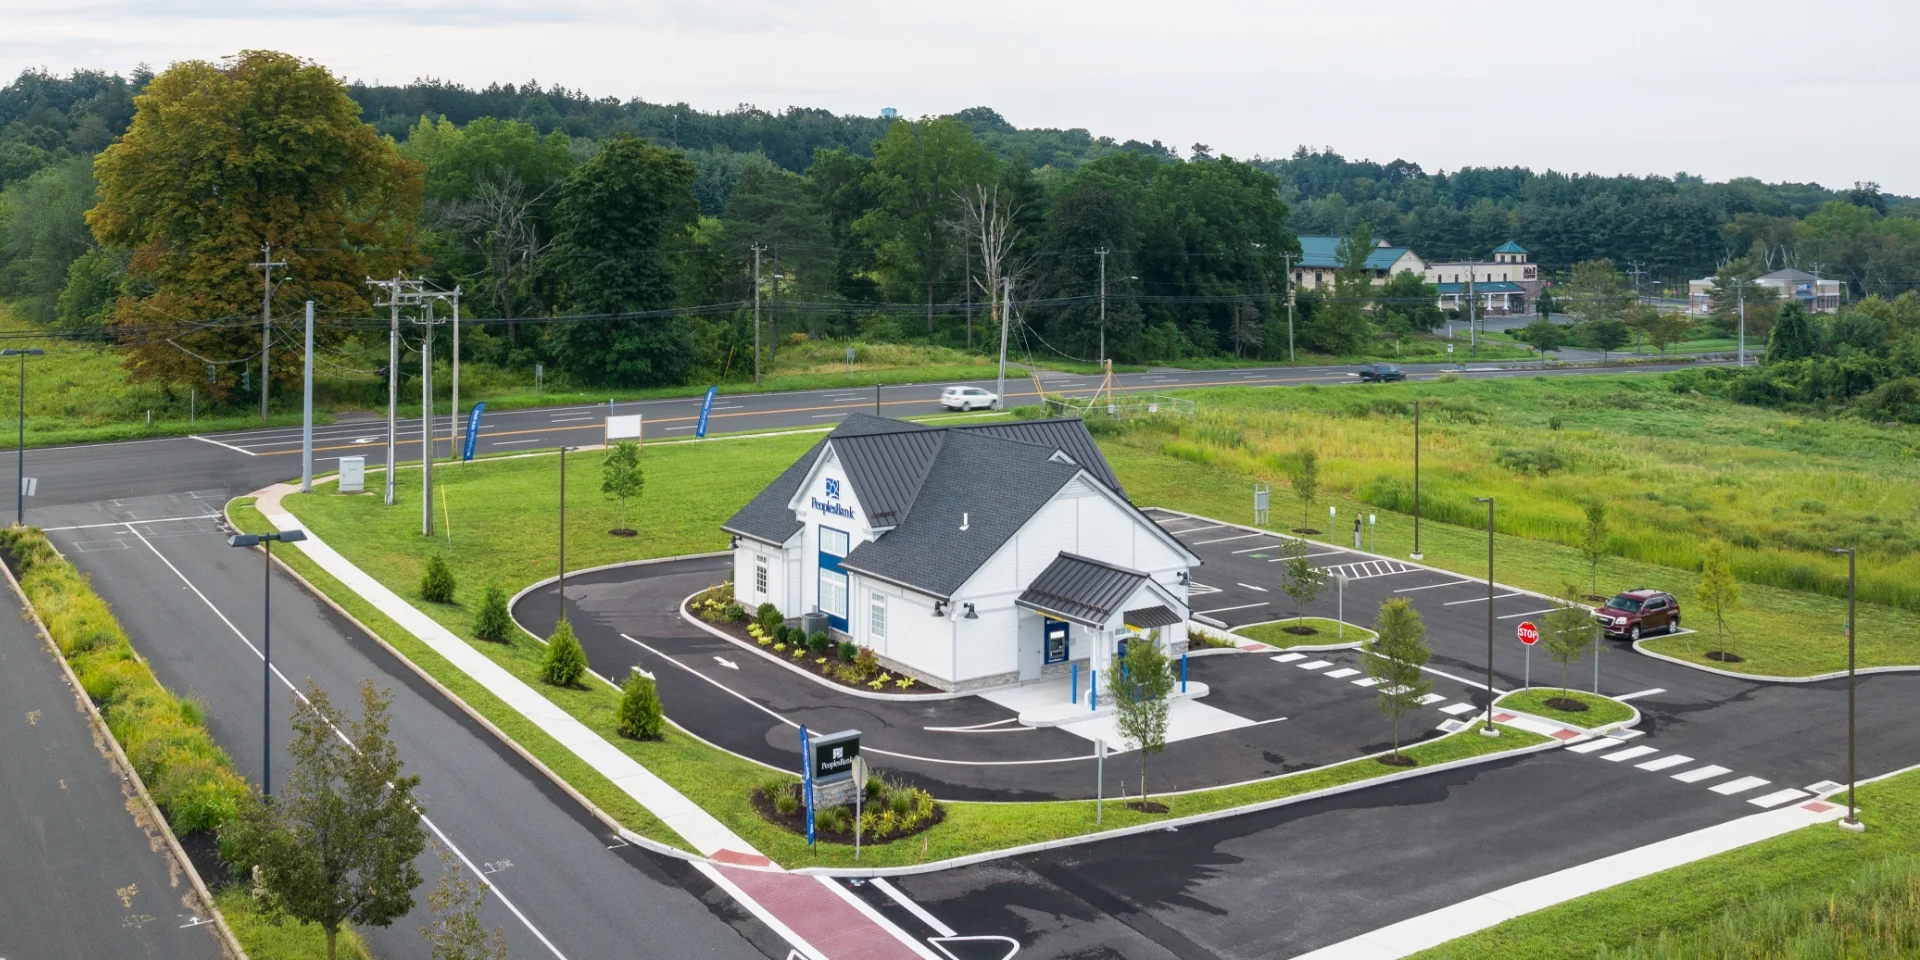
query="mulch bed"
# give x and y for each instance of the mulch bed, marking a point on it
(797, 823)
(1725, 657)
(203, 848)
(1300, 631)
(1566, 704)
(623, 532)
(1146, 806)
(807, 663)
(1309, 531)
(1389, 760)
(1596, 598)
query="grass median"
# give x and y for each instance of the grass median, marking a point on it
(1304, 632)
(1539, 701)
(502, 517)
(1801, 895)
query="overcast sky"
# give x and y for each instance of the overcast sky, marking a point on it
(1781, 91)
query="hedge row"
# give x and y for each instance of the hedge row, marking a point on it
(189, 776)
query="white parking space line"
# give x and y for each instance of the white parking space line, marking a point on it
(1290, 657)
(1250, 586)
(1458, 709)
(1707, 772)
(1630, 753)
(1244, 606)
(1341, 674)
(1310, 556)
(1641, 693)
(1314, 664)
(1209, 526)
(1778, 797)
(1436, 586)
(1244, 536)
(1741, 785)
(1604, 743)
(1670, 760)
(1264, 546)
(1501, 596)
(1529, 613)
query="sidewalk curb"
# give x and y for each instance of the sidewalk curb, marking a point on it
(228, 941)
(1162, 825)
(1599, 731)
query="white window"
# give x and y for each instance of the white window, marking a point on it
(833, 593)
(833, 541)
(759, 576)
(877, 621)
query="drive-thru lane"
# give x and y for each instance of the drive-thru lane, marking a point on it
(567, 887)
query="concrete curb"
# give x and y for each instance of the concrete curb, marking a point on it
(1599, 731)
(514, 600)
(839, 688)
(1175, 823)
(1761, 677)
(229, 942)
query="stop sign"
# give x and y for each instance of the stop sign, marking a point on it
(1529, 634)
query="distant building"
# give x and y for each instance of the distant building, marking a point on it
(1817, 295)
(888, 113)
(1320, 261)
(1509, 283)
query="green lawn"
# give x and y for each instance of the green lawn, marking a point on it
(288, 940)
(1600, 710)
(500, 511)
(1790, 879)
(1674, 470)
(1325, 631)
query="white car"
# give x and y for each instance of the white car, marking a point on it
(969, 398)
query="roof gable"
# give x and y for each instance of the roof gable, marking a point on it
(1510, 247)
(767, 517)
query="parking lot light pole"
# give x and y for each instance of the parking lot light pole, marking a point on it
(1488, 730)
(266, 541)
(20, 448)
(562, 608)
(1852, 821)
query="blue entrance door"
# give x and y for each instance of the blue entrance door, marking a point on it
(833, 581)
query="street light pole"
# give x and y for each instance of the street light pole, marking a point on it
(1416, 481)
(563, 533)
(20, 445)
(266, 541)
(1852, 821)
(1103, 304)
(1288, 258)
(1488, 730)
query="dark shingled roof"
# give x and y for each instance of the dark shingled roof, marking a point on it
(1082, 590)
(766, 517)
(1154, 616)
(993, 485)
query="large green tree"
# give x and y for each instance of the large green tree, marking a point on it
(43, 232)
(1340, 324)
(263, 148)
(1793, 336)
(623, 222)
(919, 170)
(1407, 303)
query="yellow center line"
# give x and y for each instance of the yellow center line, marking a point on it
(414, 440)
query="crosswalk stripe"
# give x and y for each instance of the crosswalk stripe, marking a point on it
(1777, 798)
(1741, 785)
(1457, 709)
(1314, 664)
(1670, 760)
(1365, 682)
(1592, 745)
(1290, 657)
(1341, 674)
(1707, 772)
(1630, 753)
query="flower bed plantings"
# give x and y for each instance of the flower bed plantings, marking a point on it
(839, 661)
(889, 811)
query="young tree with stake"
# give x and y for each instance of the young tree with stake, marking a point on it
(337, 845)
(1306, 484)
(1568, 633)
(1717, 590)
(1393, 658)
(1300, 580)
(456, 932)
(1139, 684)
(1593, 542)
(621, 479)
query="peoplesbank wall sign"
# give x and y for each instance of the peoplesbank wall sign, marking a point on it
(832, 502)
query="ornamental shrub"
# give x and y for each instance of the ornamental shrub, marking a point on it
(848, 651)
(493, 622)
(436, 585)
(565, 661)
(769, 617)
(819, 643)
(639, 717)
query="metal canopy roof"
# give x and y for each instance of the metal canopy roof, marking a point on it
(1082, 590)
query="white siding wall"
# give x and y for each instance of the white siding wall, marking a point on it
(778, 576)
(916, 637)
(986, 646)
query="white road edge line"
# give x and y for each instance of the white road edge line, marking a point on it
(1641, 693)
(497, 892)
(881, 884)
(229, 446)
(128, 523)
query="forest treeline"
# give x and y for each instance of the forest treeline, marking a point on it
(546, 205)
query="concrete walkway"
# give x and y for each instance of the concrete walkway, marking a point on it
(700, 829)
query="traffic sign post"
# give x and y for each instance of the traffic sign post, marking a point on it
(1529, 635)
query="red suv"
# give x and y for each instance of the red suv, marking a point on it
(1639, 611)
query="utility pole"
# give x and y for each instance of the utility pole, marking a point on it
(266, 265)
(966, 239)
(306, 407)
(426, 422)
(1103, 303)
(1634, 271)
(394, 289)
(1740, 288)
(1288, 258)
(1006, 320)
(1473, 334)
(756, 313)
(453, 417)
